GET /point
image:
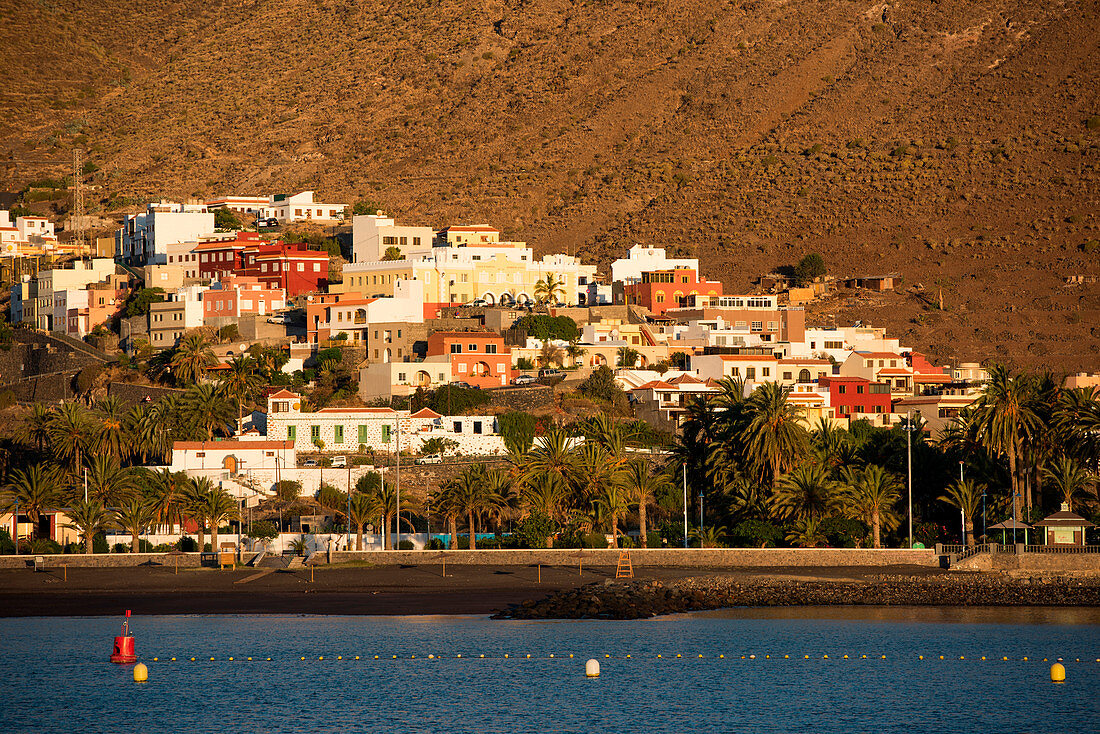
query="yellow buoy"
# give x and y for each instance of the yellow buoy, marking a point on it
(807, 657)
(155, 659)
(211, 658)
(845, 657)
(1057, 673)
(679, 655)
(786, 657)
(141, 673)
(375, 657)
(592, 668)
(230, 659)
(920, 657)
(338, 657)
(719, 657)
(173, 659)
(250, 658)
(192, 659)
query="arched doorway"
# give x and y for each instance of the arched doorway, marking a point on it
(481, 369)
(489, 298)
(423, 379)
(229, 463)
(386, 355)
(598, 359)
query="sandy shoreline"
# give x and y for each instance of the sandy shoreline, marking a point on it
(357, 589)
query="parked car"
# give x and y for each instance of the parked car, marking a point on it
(463, 385)
(523, 379)
(479, 302)
(267, 222)
(339, 462)
(430, 459)
(279, 318)
(549, 372)
(310, 463)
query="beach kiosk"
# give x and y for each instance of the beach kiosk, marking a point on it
(1064, 528)
(1011, 526)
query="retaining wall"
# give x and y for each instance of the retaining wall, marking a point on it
(640, 557)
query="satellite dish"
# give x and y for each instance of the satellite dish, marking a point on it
(244, 347)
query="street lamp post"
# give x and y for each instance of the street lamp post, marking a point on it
(962, 512)
(349, 506)
(397, 483)
(685, 505)
(700, 512)
(909, 455)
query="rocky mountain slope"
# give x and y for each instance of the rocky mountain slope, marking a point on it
(947, 141)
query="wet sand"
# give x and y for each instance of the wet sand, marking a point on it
(339, 589)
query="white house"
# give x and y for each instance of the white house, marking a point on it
(144, 238)
(373, 234)
(351, 429)
(640, 259)
(301, 208)
(234, 456)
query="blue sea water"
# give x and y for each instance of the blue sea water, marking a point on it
(58, 678)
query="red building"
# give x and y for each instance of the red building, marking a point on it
(294, 268)
(660, 290)
(477, 357)
(854, 397)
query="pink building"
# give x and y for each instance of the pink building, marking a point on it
(238, 295)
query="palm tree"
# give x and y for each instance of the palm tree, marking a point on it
(966, 495)
(546, 494)
(1069, 478)
(89, 518)
(384, 497)
(709, 537)
(774, 437)
(550, 354)
(628, 358)
(34, 490)
(806, 533)
(193, 504)
(240, 382)
(1006, 417)
(870, 495)
(552, 454)
(549, 288)
(446, 505)
(36, 428)
(806, 492)
(642, 485)
(363, 508)
(191, 357)
(134, 516)
(168, 490)
(108, 481)
(70, 432)
(470, 496)
(208, 409)
(216, 506)
(574, 352)
(612, 502)
(111, 436)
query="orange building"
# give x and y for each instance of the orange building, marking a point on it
(477, 357)
(660, 290)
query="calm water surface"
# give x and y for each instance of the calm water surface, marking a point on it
(58, 678)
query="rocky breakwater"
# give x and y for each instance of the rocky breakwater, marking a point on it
(643, 599)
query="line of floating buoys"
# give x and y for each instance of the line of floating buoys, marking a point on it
(629, 656)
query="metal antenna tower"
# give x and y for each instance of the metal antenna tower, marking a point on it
(76, 216)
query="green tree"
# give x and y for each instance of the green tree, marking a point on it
(363, 508)
(468, 492)
(138, 302)
(366, 207)
(1006, 417)
(1069, 478)
(226, 219)
(809, 268)
(70, 431)
(602, 386)
(628, 357)
(806, 492)
(966, 495)
(643, 485)
(549, 289)
(109, 481)
(871, 495)
(111, 436)
(240, 382)
(208, 409)
(806, 533)
(544, 327)
(88, 519)
(774, 437)
(392, 253)
(34, 490)
(517, 428)
(134, 515)
(191, 358)
(212, 504)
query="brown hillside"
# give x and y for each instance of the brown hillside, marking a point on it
(946, 140)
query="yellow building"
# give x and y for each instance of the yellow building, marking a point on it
(497, 273)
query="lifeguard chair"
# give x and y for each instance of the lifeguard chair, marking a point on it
(227, 555)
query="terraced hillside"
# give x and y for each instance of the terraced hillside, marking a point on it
(948, 141)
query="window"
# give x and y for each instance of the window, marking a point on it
(773, 326)
(458, 426)
(301, 267)
(750, 373)
(842, 389)
(291, 433)
(364, 433)
(766, 371)
(386, 433)
(316, 267)
(473, 348)
(859, 389)
(200, 454)
(477, 426)
(489, 348)
(833, 345)
(400, 376)
(338, 434)
(455, 348)
(736, 371)
(314, 433)
(787, 376)
(757, 325)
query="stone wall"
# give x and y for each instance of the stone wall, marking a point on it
(521, 398)
(52, 388)
(1039, 562)
(33, 353)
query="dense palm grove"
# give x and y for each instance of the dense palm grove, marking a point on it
(753, 473)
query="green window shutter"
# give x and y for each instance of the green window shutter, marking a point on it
(314, 432)
(292, 433)
(363, 433)
(338, 434)
(385, 434)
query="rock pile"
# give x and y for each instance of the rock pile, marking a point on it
(643, 599)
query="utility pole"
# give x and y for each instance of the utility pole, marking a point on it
(685, 505)
(961, 511)
(76, 216)
(397, 483)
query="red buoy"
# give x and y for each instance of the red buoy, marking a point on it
(124, 644)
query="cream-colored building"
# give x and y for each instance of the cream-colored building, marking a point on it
(500, 272)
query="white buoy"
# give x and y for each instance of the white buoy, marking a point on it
(592, 668)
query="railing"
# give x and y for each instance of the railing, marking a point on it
(965, 551)
(1062, 549)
